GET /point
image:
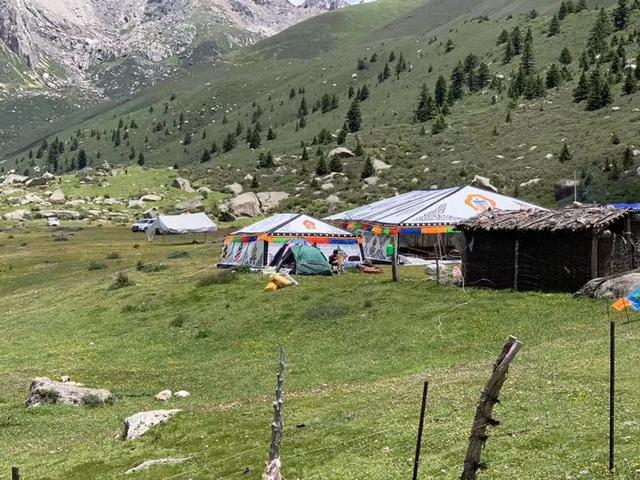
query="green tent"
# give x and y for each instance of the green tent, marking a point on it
(304, 260)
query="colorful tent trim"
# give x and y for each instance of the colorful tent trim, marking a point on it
(632, 300)
(381, 230)
(312, 239)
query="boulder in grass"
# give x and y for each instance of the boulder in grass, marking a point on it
(137, 425)
(164, 395)
(43, 391)
(245, 205)
(191, 205)
(270, 200)
(613, 287)
(57, 197)
(183, 184)
(341, 152)
(182, 394)
(483, 182)
(234, 188)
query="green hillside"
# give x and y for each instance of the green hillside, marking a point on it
(514, 140)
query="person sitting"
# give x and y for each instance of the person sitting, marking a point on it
(336, 260)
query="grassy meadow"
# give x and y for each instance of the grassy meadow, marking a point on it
(358, 349)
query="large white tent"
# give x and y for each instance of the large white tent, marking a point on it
(418, 217)
(187, 223)
(256, 245)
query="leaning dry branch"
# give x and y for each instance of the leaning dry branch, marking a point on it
(272, 472)
(484, 418)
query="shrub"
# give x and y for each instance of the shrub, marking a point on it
(150, 267)
(368, 303)
(60, 238)
(92, 400)
(226, 276)
(113, 256)
(97, 265)
(202, 333)
(179, 320)
(121, 281)
(178, 254)
(328, 311)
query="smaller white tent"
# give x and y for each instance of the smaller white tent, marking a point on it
(258, 244)
(187, 223)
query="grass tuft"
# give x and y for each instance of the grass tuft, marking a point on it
(121, 281)
(221, 278)
(178, 254)
(113, 256)
(327, 311)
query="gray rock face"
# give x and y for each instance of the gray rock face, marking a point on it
(270, 200)
(154, 463)
(192, 205)
(183, 184)
(137, 425)
(341, 152)
(613, 287)
(44, 390)
(18, 215)
(234, 188)
(245, 205)
(12, 178)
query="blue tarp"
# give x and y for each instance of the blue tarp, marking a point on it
(630, 206)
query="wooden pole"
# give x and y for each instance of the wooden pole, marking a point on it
(516, 266)
(394, 259)
(416, 462)
(438, 253)
(612, 394)
(594, 254)
(483, 417)
(15, 473)
(272, 472)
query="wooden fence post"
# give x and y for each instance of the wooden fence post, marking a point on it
(423, 407)
(15, 473)
(488, 399)
(272, 472)
(516, 265)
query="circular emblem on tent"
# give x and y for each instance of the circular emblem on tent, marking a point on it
(309, 224)
(479, 202)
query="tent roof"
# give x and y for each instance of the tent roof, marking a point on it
(448, 206)
(293, 224)
(185, 223)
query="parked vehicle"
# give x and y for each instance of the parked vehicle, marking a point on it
(142, 225)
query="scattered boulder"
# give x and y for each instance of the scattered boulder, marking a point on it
(137, 425)
(380, 165)
(30, 198)
(613, 287)
(150, 197)
(164, 395)
(183, 184)
(153, 463)
(37, 182)
(205, 192)
(234, 188)
(341, 152)
(44, 390)
(245, 205)
(528, 183)
(191, 205)
(57, 197)
(483, 182)
(270, 200)
(19, 215)
(136, 204)
(332, 199)
(13, 179)
(182, 394)
(371, 181)
(327, 186)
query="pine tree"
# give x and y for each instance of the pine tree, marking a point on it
(516, 40)
(358, 151)
(229, 143)
(630, 82)
(305, 155)
(596, 97)
(82, 159)
(621, 15)
(342, 136)
(206, 156)
(424, 110)
(508, 53)
(255, 140)
(507, 118)
(599, 32)
(483, 76)
(565, 154)
(271, 134)
(503, 37)
(254, 183)
(554, 26)
(321, 167)
(439, 125)
(303, 110)
(354, 117)
(553, 78)
(292, 93)
(581, 92)
(440, 92)
(239, 129)
(527, 61)
(335, 165)
(367, 169)
(563, 11)
(392, 56)
(401, 66)
(187, 138)
(565, 57)
(457, 82)
(627, 158)
(214, 147)
(351, 92)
